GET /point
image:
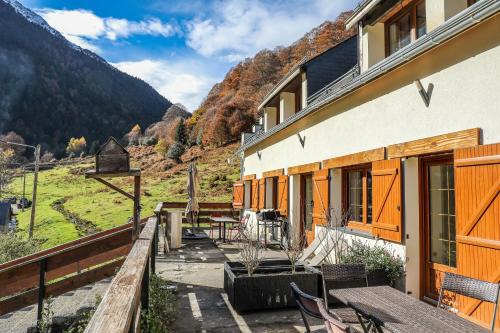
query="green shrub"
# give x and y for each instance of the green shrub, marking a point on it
(375, 257)
(13, 246)
(175, 151)
(162, 307)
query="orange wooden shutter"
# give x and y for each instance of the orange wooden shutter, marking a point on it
(262, 193)
(238, 195)
(320, 196)
(477, 202)
(386, 199)
(283, 195)
(255, 195)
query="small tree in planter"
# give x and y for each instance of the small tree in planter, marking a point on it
(293, 249)
(332, 237)
(250, 252)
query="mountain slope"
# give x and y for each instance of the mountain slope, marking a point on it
(231, 106)
(52, 90)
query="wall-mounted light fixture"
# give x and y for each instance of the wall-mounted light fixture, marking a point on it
(302, 140)
(259, 154)
(425, 94)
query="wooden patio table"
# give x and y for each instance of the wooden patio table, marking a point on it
(395, 311)
(222, 221)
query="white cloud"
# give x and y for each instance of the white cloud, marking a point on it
(179, 82)
(235, 29)
(83, 27)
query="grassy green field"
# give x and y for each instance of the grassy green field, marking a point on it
(104, 208)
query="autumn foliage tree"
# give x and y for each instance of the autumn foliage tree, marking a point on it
(230, 107)
(76, 145)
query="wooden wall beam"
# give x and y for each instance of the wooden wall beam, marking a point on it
(435, 144)
(273, 173)
(304, 168)
(249, 177)
(362, 157)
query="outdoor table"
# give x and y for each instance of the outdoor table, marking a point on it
(395, 311)
(222, 221)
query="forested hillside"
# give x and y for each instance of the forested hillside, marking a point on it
(52, 90)
(231, 106)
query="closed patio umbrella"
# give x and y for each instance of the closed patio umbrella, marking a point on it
(192, 207)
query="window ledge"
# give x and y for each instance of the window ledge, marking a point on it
(356, 232)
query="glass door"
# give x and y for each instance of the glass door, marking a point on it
(439, 223)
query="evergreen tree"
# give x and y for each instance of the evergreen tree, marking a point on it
(180, 133)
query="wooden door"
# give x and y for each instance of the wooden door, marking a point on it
(438, 219)
(306, 205)
(320, 182)
(477, 178)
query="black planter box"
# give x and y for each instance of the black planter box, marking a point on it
(268, 288)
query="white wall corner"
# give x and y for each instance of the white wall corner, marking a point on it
(372, 45)
(412, 226)
(287, 105)
(294, 204)
(269, 118)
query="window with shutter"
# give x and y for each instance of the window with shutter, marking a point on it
(283, 195)
(238, 195)
(320, 200)
(386, 200)
(255, 195)
(477, 201)
(262, 193)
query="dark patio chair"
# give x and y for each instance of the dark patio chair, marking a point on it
(343, 276)
(308, 305)
(466, 286)
(332, 325)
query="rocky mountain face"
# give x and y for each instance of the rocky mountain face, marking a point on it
(52, 90)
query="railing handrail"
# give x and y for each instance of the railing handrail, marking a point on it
(119, 309)
(202, 205)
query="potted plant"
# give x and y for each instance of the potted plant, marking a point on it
(384, 267)
(254, 284)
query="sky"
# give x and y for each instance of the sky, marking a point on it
(182, 48)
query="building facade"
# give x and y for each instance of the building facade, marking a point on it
(408, 141)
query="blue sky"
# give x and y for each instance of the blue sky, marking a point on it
(183, 47)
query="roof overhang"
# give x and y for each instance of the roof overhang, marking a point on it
(364, 8)
(280, 86)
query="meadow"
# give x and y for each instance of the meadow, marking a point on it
(70, 206)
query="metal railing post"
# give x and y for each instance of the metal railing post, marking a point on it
(41, 293)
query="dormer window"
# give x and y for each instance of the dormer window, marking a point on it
(406, 27)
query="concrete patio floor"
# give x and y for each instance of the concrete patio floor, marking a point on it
(197, 268)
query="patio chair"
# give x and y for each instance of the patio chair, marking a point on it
(239, 228)
(214, 225)
(332, 325)
(308, 305)
(343, 276)
(466, 286)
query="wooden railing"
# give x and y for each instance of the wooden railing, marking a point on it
(52, 272)
(206, 210)
(128, 294)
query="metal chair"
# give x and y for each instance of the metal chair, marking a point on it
(214, 225)
(343, 275)
(239, 227)
(307, 305)
(466, 286)
(332, 325)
